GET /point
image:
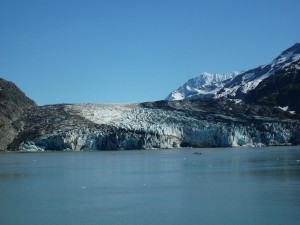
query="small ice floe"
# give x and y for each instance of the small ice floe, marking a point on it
(197, 153)
(83, 187)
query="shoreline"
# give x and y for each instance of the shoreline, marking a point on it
(156, 149)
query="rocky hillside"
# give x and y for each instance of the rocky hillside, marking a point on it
(195, 123)
(13, 103)
(281, 89)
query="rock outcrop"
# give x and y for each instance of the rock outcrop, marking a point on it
(13, 103)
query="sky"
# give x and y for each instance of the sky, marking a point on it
(113, 51)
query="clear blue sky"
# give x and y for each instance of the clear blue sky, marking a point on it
(60, 51)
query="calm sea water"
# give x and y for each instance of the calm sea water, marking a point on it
(169, 187)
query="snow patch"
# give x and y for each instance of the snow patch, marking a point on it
(285, 108)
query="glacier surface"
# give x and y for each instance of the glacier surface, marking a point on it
(150, 126)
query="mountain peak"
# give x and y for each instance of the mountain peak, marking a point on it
(295, 49)
(289, 55)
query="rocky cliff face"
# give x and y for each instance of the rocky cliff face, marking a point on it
(195, 123)
(13, 103)
(282, 89)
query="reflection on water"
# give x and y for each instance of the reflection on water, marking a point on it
(220, 186)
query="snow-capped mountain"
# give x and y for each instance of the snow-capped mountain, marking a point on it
(204, 86)
(235, 85)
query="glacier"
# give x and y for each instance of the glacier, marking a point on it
(156, 125)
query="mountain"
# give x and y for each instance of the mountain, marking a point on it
(13, 104)
(267, 114)
(204, 86)
(238, 85)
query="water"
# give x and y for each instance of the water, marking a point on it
(169, 187)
